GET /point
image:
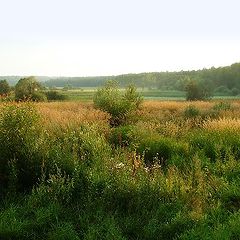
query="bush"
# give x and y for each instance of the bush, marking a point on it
(55, 95)
(20, 130)
(4, 88)
(196, 90)
(223, 90)
(121, 136)
(28, 89)
(38, 97)
(163, 151)
(132, 97)
(69, 148)
(216, 145)
(222, 106)
(63, 232)
(191, 111)
(118, 105)
(57, 188)
(157, 150)
(235, 91)
(230, 196)
(205, 143)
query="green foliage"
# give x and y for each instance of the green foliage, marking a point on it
(4, 87)
(55, 96)
(132, 97)
(191, 111)
(197, 91)
(156, 151)
(235, 91)
(215, 227)
(121, 136)
(216, 146)
(28, 89)
(227, 77)
(82, 187)
(56, 188)
(205, 143)
(110, 99)
(222, 106)
(86, 142)
(63, 231)
(67, 87)
(223, 90)
(230, 196)
(38, 97)
(12, 226)
(20, 130)
(221, 79)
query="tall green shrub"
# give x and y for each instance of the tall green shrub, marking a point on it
(4, 87)
(197, 90)
(191, 111)
(55, 96)
(20, 130)
(111, 100)
(29, 89)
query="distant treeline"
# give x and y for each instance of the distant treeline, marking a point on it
(12, 80)
(78, 82)
(222, 79)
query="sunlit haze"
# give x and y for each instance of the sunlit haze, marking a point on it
(107, 37)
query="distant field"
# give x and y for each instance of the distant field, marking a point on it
(86, 94)
(79, 95)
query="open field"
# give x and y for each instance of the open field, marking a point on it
(86, 94)
(172, 171)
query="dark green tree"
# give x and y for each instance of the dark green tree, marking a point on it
(4, 87)
(235, 91)
(29, 89)
(197, 90)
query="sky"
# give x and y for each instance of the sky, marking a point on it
(111, 37)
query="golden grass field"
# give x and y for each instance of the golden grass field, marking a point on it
(151, 114)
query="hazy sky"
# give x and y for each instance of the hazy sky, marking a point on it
(107, 37)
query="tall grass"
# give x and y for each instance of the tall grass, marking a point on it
(65, 173)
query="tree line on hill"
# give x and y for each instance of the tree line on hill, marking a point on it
(223, 80)
(200, 84)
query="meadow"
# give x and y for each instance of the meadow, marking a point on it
(171, 171)
(86, 94)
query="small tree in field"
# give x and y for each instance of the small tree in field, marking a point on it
(197, 90)
(4, 87)
(29, 89)
(111, 100)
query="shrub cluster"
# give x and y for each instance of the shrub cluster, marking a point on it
(111, 100)
(191, 111)
(20, 131)
(55, 95)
